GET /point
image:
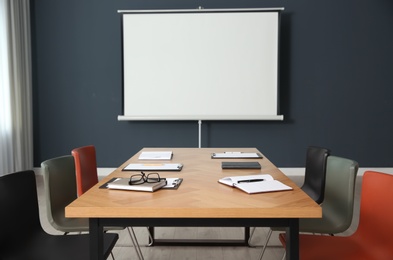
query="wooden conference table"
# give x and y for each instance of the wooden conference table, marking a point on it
(200, 201)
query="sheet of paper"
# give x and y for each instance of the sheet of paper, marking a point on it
(154, 167)
(236, 155)
(263, 186)
(156, 155)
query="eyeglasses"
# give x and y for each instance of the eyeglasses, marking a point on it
(142, 178)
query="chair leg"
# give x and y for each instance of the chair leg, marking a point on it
(112, 256)
(251, 234)
(150, 237)
(266, 241)
(135, 243)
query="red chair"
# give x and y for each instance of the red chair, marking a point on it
(85, 168)
(373, 238)
(87, 177)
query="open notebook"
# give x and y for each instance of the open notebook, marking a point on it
(255, 183)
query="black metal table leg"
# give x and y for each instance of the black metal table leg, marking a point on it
(96, 239)
(292, 238)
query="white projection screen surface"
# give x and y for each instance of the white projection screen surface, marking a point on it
(201, 65)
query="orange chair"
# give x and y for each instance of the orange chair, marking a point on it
(85, 168)
(373, 238)
(87, 177)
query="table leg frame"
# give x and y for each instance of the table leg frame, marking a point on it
(199, 242)
(292, 231)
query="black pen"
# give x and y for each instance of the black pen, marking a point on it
(253, 180)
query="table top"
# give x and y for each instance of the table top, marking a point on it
(199, 196)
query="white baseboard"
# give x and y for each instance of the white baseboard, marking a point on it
(300, 171)
(103, 172)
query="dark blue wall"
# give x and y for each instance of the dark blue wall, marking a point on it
(336, 83)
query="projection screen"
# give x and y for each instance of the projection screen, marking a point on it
(201, 64)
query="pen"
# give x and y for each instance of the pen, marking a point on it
(253, 180)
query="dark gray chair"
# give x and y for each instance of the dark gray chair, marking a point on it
(314, 179)
(21, 235)
(315, 173)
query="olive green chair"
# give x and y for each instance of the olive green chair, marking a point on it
(60, 191)
(338, 204)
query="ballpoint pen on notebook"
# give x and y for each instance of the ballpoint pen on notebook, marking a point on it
(252, 180)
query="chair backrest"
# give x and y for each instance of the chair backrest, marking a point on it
(314, 178)
(86, 168)
(376, 212)
(19, 215)
(337, 207)
(60, 187)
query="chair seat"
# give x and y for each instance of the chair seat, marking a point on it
(372, 239)
(21, 234)
(330, 224)
(69, 224)
(43, 246)
(346, 248)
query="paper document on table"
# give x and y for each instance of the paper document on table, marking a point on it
(173, 183)
(156, 155)
(264, 186)
(236, 155)
(153, 167)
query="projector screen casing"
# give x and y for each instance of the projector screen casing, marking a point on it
(201, 65)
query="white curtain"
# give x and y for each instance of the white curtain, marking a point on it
(16, 131)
